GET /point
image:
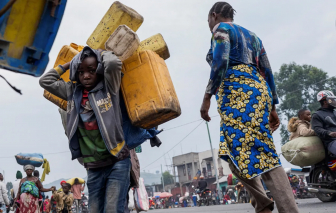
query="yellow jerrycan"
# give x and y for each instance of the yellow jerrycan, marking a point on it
(117, 14)
(155, 43)
(65, 55)
(148, 90)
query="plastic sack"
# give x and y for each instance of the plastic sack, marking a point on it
(131, 205)
(304, 151)
(72, 180)
(35, 159)
(140, 197)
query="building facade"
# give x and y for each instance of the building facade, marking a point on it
(188, 165)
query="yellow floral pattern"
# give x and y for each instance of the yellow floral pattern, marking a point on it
(244, 103)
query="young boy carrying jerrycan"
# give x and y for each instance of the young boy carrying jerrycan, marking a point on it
(94, 124)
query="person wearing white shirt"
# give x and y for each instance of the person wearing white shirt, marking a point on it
(4, 201)
(16, 184)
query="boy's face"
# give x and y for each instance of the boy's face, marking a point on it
(306, 115)
(87, 73)
(65, 188)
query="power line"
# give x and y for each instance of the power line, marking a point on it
(175, 144)
(188, 123)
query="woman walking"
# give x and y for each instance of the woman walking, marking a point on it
(46, 205)
(28, 194)
(242, 80)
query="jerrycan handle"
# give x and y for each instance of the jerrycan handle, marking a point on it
(77, 47)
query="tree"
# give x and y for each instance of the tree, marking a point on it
(297, 87)
(168, 178)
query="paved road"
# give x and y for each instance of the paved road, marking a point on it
(305, 206)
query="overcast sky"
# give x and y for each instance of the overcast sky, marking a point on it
(299, 31)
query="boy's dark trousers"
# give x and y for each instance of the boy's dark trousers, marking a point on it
(108, 187)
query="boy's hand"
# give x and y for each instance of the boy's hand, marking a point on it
(333, 134)
(66, 66)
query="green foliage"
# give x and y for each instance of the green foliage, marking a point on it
(297, 87)
(168, 178)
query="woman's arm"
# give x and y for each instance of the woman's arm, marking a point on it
(266, 72)
(18, 194)
(274, 120)
(219, 62)
(52, 83)
(40, 187)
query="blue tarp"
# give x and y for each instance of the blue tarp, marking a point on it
(25, 159)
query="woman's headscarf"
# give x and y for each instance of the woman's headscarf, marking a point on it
(28, 166)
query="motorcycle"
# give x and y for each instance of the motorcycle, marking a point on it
(322, 181)
(244, 196)
(84, 206)
(204, 197)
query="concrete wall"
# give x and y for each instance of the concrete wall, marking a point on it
(187, 166)
(219, 162)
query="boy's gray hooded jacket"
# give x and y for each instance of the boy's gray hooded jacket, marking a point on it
(104, 99)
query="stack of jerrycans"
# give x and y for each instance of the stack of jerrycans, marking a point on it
(146, 86)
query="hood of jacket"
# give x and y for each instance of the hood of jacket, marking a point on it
(76, 61)
(294, 123)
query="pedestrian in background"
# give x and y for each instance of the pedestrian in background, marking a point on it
(4, 201)
(241, 79)
(77, 189)
(29, 191)
(300, 126)
(64, 199)
(16, 183)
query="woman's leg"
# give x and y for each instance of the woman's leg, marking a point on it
(259, 199)
(277, 182)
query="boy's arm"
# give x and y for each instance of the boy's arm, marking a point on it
(304, 131)
(112, 71)
(317, 126)
(50, 82)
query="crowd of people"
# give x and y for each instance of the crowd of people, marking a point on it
(27, 195)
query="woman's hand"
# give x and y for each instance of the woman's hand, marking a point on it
(274, 121)
(205, 107)
(66, 66)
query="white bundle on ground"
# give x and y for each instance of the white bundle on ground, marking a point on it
(304, 151)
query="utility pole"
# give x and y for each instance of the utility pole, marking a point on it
(162, 179)
(214, 162)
